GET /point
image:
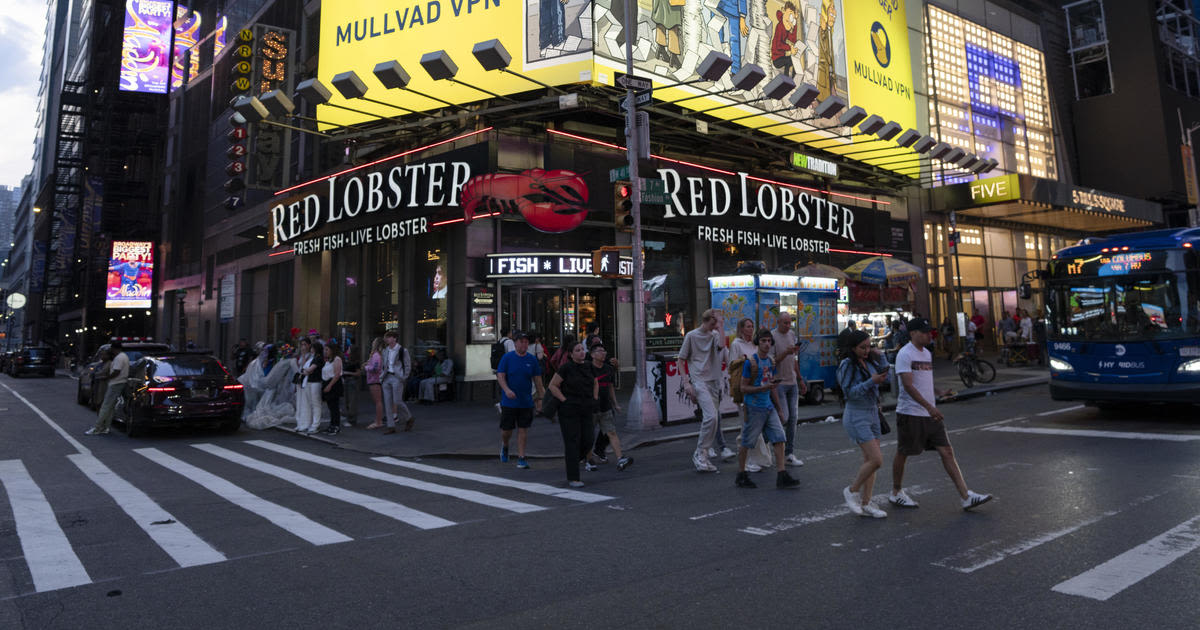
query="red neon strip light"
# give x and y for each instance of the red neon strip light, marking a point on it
(234, 387)
(381, 160)
(723, 172)
(855, 251)
(280, 253)
(449, 221)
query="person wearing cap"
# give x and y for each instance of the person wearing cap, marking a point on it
(518, 374)
(920, 425)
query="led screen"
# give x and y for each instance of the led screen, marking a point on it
(130, 275)
(145, 52)
(187, 29)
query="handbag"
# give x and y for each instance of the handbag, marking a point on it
(550, 406)
(297, 378)
(884, 427)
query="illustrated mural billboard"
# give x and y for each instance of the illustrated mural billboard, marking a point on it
(145, 50)
(130, 275)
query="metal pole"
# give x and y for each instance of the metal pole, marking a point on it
(643, 411)
(962, 342)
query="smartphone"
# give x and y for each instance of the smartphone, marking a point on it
(776, 380)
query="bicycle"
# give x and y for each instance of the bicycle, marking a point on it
(972, 369)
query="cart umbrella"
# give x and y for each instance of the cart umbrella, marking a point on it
(883, 270)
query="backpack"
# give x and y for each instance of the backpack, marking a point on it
(735, 378)
(498, 353)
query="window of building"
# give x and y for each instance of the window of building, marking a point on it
(667, 279)
(1177, 30)
(1088, 47)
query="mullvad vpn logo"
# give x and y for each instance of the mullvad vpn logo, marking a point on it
(881, 44)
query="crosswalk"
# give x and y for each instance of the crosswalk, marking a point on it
(241, 477)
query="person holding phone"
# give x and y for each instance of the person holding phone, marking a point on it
(792, 385)
(861, 371)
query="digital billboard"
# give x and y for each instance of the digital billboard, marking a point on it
(146, 49)
(219, 30)
(549, 40)
(187, 29)
(130, 275)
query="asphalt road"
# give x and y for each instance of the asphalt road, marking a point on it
(1096, 524)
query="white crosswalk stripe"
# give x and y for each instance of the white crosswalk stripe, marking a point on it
(399, 512)
(287, 519)
(1135, 565)
(370, 473)
(51, 560)
(184, 546)
(536, 488)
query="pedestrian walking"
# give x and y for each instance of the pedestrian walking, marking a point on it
(920, 426)
(743, 347)
(396, 365)
(562, 355)
(703, 355)
(118, 375)
(309, 363)
(791, 384)
(606, 405)
(352, 381)
(860, 373)
(518, 374)
(576, 391)
(332, 387)
(373, 369)
(760, 387)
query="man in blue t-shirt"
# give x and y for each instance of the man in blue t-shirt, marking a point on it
(758, 386)
(518, 374)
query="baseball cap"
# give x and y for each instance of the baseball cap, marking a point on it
(520, 334)
(919, 324)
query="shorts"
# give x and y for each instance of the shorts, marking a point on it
(861, 428)
(917, 434)
(604, 420)
(513, 417)
(764, 421)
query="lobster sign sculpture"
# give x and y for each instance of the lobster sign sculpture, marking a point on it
(550, 201)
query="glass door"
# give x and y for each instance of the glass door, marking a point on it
(542, 313)
(598, 306)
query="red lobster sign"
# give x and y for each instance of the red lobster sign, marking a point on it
(551, 201)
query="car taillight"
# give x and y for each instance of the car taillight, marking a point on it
(233, 387)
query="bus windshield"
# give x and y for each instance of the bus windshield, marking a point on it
(1123, 308)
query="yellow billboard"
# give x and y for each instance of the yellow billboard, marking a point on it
(549, 40)
(878, 63)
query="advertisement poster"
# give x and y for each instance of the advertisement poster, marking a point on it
(186, 34)
(130, 275)
(145, 52)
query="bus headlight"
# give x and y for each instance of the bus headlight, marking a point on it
(1190, 367)
(1058, 365)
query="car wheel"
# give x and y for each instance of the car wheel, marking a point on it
(815, 395)
(231, 425)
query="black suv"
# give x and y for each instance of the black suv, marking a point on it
(92, 382)
(32, 360)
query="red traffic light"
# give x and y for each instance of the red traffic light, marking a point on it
(623, 190)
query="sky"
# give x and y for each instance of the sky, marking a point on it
(22, 31)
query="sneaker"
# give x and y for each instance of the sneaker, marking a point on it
(590, 467)
(784, 480)
(575, 484)
(727, 454)
(872, 511)
(94, 431)
(701, 462)
(333, 430)
(853, 501)
(744, 481)
(521, 463)
(974, 499)
(600, 457)
(753, 467)
(713, 454)
(503, 454)
(624, 462)
(901, 499)
(792, 460)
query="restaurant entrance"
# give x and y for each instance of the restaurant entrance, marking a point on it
(553, 312)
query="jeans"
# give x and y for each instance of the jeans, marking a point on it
(789, 395)
(393, 399)
(575, 422)
(108, 407)
(708, 397)
(334, 402)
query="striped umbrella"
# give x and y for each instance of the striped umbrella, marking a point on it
(821, 271)
(882, 270)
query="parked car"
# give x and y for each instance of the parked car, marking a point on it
(90, 390)
(5, 359)
(33, 360)
(180, 389)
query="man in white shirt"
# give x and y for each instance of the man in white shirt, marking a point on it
(118, 375)
(793, 385)
(396, 366)
(703, 355)
(920, 426)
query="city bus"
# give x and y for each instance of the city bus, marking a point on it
(1123, 318)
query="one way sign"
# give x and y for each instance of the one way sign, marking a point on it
(639, 98)
(631, 82)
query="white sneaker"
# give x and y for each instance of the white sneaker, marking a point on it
(93, 431)
(701, 462)
(792, 460)
(713, 454)
(853, 501)
(902, 499)
(727, 454)
(974, 499)
(753, 467)
(872, 511)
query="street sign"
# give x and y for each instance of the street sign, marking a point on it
(637, 83)
(652, 191)
(639, 98)
(619, 174)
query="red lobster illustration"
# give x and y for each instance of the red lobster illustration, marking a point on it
(551, 201)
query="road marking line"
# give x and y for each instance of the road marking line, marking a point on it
(988, 425)
(184, 546)
(1063, 410)
(1121, 435)
(536, 488)
(983, 555)
(809, 518)
(718, 513)
(288, 519)
(387, 508)
(51, 560)
(53, 425)
(1133, 566)
(459, 493)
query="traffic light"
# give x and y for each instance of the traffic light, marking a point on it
(623, 206)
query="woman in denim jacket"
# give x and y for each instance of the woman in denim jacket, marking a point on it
(860, 373)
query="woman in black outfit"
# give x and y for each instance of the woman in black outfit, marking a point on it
(576, 391)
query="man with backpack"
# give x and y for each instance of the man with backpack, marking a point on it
(758, 386)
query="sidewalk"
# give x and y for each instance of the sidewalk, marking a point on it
(460, 429)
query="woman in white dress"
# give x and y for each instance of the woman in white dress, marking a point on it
(308, 393)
